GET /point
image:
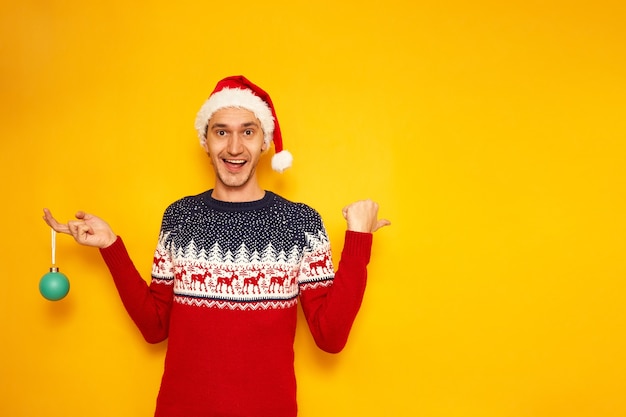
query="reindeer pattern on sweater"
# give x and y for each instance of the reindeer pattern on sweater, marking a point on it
(256, 255)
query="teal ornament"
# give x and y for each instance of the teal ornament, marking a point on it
(54, 285)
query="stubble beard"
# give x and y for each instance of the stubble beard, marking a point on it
(238, 180)
(234, 181)
(230, 180)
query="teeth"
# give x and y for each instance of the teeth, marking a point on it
(235, 161)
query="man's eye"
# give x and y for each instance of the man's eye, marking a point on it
(221, 132)
(248, 132)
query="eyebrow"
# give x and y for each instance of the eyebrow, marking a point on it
(224, 125)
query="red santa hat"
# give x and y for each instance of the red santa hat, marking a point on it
(237, 91)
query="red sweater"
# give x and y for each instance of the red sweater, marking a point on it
(225, 296)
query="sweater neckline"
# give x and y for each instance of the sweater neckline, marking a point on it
(237, 206)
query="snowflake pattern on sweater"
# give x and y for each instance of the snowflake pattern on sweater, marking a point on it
(248, 256)
(231, 347)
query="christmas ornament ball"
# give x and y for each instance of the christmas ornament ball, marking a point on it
(54, 285)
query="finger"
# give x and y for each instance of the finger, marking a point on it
(355, 206)
(381, 223)
(79, 229)
(84, 231)
(55, 225)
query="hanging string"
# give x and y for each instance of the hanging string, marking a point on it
(54, 246)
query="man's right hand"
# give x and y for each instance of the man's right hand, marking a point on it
(87, 229)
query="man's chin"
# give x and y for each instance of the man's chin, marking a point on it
(234, 180)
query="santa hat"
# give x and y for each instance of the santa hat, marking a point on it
(237, 91)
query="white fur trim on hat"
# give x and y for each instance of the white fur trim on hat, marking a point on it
(235, 97)
(281, 161)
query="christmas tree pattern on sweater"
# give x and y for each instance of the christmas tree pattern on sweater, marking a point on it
(256, 255)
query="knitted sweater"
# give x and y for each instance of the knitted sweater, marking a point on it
(226, 281)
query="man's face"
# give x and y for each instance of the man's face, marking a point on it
(234, 144)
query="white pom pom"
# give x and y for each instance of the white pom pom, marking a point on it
(281, 161)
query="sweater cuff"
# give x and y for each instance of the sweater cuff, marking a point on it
(357, 245)
(116, 255)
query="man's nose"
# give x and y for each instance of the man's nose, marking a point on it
(235, 144)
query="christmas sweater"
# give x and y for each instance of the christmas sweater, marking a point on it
(226, 282)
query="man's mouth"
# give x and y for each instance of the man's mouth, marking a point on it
(234, 163)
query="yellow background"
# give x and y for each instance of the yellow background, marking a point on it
(491, 133)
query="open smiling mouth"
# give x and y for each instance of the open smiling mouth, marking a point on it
(234, 163)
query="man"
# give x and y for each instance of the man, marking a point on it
(230, 266)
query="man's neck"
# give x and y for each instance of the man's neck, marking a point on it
(237, 194)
